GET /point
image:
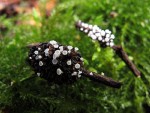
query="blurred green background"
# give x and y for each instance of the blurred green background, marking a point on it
(129, 20)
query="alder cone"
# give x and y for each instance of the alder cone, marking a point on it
(55, 63)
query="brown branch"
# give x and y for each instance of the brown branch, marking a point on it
(123, 55)
(101, 79)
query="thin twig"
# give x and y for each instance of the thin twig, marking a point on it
(101, 79)
(123, 55)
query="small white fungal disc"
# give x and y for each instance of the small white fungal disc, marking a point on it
(96, 33)
(53, 42)
(91, 73)
(76, 49)
(79, 75)
(81, 29)
(64, 52)
(80, 72)
(46, 51)
(56, 46)
(39, 57)
(59, 71)
(36, 57)
(102, 73)
(70, 47)
(74, 74)
(77, 66)
(39, 49)
(40, 63)
(38, 74)
(69, 62)
(61, 48)
(36, 52)
(81, 58)
(54, 59)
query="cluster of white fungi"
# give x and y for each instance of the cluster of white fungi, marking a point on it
(55, 53)
(105, 37)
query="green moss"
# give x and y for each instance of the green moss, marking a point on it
(131, 28)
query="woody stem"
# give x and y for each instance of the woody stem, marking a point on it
(123, 55)
(101, 79)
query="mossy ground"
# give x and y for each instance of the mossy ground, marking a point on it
(131, 27)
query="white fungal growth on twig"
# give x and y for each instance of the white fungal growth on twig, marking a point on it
(53, 56)
(105, 37)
